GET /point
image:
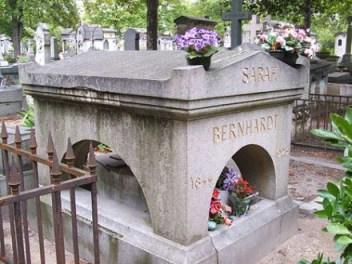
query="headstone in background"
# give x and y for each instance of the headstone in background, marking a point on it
(42, 38)
(166, 42)
(6, 45)
(3, 62)
(347, 57)
(30, 48)
(340, 43)
(54, 49)
(184, 23)
(68, 42)
(236, 16)
(131, 39)
(89, 37)
(110, 39)
(251, 30)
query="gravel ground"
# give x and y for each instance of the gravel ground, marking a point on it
(306, 244)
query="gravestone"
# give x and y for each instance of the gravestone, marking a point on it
(184, 23)
(3, 62)
(6, 45)
(347, 57)
(319, 73)
(236, 16)
(131, 39)
(340, 44)
(54, 49)
(30, 48)
(176, 127)
(251, 30)
(42, 38)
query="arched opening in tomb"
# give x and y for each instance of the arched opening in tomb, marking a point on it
(247, 178)
(120, 196)
(106, 45)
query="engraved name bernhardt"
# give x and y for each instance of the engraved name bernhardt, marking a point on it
(242, 128)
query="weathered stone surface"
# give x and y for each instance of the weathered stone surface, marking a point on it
(176, 127)
(11, 98)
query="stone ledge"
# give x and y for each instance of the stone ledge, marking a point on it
(138, 244)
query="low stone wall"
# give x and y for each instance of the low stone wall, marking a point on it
(341, 89)
(11, 100)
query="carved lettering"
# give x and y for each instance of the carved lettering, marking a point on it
(198, 182)
(216, 135)
(260, 74)
(243, 128)
(245, 77)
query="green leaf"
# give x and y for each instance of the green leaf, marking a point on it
(333, 189)
(344, 240)
(338, 229)
(321, 214)
(325, 134)
(326, 195)
(348, 115)
(343, 127)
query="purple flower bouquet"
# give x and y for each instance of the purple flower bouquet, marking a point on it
(199, 44)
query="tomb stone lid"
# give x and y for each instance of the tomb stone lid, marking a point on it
(165, 80)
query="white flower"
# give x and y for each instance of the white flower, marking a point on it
(309, 53)
(281, 41)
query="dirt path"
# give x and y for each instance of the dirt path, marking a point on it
(307, 174)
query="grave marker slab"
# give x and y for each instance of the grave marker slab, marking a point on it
(131, 38)
(42, 37)
(176, 127)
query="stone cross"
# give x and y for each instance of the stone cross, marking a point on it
(251, 29)
(236, 16)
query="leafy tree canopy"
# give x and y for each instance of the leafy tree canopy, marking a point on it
(15, 15)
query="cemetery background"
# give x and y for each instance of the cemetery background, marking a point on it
(324, 172)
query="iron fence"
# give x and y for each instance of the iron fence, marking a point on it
(314, 113)
(18, 196)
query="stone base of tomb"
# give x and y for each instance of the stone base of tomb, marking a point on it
(126, 237)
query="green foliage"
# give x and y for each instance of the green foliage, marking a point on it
(337, 197)
(28, 117)
(103, 148)
(10, 58)
(337, 208)
(23, 59)
(132, 13)
(16, 15)
(318, 260)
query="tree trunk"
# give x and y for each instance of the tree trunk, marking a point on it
(307, 14)
(152, 24)
(17, 29)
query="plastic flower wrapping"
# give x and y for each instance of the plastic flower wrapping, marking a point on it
(290, 39)
(198, 42)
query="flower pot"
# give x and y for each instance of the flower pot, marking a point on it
(286, 57)
(205, 61)
(240, 206)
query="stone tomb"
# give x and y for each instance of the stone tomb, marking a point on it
(176, 127)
